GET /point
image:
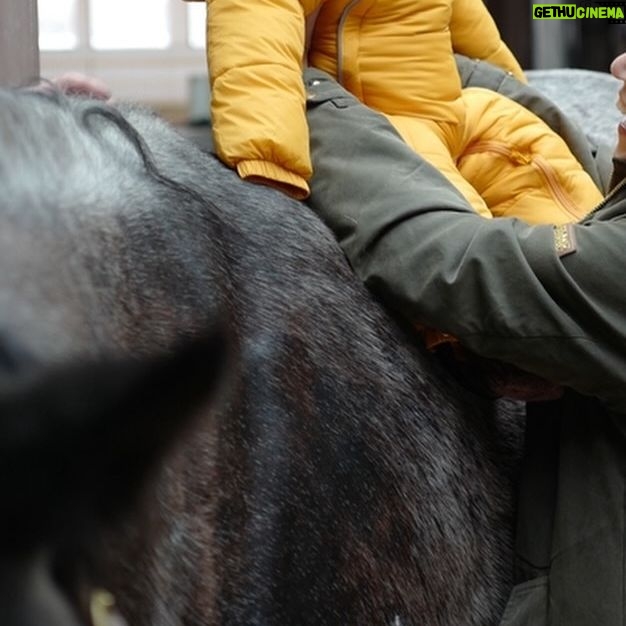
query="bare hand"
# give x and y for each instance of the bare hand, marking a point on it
(618, 69)
(74, 83)
(78, 84)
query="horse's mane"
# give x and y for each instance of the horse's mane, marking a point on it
(33, 122)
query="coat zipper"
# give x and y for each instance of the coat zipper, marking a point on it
(340, 24)
(537, 162)
(605, 200)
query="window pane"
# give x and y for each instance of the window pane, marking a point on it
(124, 24)
(196, 24)
(58, 26)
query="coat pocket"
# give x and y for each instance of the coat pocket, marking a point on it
(528, 604)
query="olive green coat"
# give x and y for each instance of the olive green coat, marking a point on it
(549, 300)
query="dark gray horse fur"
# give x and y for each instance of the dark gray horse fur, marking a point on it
(341, 476)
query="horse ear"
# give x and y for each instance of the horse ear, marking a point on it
(148, 406)
(80, 440)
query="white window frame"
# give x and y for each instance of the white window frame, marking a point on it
(156, 77)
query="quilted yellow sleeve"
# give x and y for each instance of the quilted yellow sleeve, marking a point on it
(475, 34)
(254, 53)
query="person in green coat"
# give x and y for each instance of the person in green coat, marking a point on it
(550, 300)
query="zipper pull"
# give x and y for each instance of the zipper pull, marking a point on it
(520, 158)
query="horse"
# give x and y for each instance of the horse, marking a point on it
(207, 415)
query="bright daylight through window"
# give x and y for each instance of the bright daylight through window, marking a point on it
(147, 50)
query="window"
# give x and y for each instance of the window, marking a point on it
(145, 50)
(123, 25)
(57, 25)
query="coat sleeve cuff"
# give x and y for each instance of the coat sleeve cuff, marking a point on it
(273, 175)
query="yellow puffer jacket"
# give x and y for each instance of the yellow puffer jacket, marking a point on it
(393, 55)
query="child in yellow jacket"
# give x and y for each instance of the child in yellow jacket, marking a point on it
(397, 57)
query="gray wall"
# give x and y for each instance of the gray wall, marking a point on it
(19, 49)
(513, 20)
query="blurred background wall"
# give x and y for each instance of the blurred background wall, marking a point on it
(19, 56)
(588, 44)
(153, 50)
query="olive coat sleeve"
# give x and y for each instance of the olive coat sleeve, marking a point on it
(507, 290)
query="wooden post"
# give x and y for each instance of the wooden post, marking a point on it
(19, 46)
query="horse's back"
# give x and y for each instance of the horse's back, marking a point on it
(359, 482)
(345, 476)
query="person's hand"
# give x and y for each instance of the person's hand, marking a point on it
(618, 69)
(77, 84)
(74, 83)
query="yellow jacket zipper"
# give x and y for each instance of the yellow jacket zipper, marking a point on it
(536, 161)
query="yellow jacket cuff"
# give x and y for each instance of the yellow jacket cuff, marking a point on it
(267, 173)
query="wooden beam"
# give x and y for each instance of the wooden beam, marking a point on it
(19, 46)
